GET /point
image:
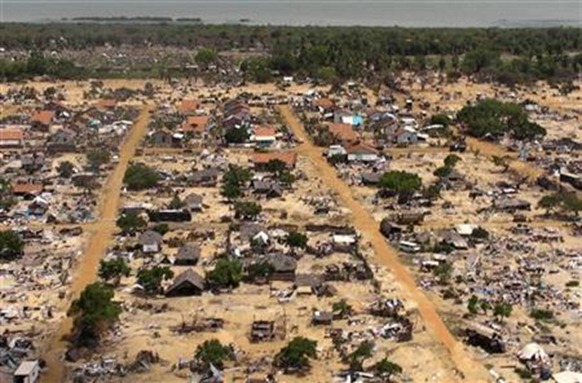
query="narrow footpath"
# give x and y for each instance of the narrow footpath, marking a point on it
(102, 232)
(470, 370)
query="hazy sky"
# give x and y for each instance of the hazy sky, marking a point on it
(302, 12)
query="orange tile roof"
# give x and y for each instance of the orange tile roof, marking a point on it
(343, 132)
(44, 117)
(188, 106)
(26, 188)
(264, 131)
(325, 103)
(195, 124)
(362, 148)
(11, 134)
(289, 158)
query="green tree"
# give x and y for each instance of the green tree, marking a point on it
(275, 166)
(151, 279)
(295, 356)
(442, 172)
(226, 274)
(495, 118)
(473, 304)
(93, 313)
(259, 271)
(97, 158)
(113, 270)
(432, 192)
(451, 160)
(502, 310)
(237, 175)
(401, 182)
(11, 245)
(541, 314)
(480, 233)
(443, 272)
(359, 355)
(236, 135)
(550, 202)
(247, 210)
(387, 369)
(206, 57)
(341, 308)
(286, 178)
(65, 169)
(140, 177)
(296, 240)
(572, 203)
(213, 352)
(161, 228)
(131, 222)
(230, 191)
(176, 203)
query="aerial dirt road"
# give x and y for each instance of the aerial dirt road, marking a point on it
(101, 234)
(472, 371)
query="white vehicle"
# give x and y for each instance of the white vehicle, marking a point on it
(409, 247)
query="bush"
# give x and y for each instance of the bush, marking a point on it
(213, 352)
(65, 169)
(151, 279)
(11, 245)
(140, 177)
(400, 181)
(541, 314)
(236, 135)
(130, 223)
(572, 283)
(114, 269)
(247, 210)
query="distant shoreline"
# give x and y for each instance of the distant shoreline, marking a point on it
(154, 20)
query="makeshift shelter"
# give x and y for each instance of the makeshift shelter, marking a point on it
(188, 255)
(187, 283)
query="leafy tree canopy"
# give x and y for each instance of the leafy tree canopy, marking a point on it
(114, 269)
(93, 312)
(140, 177)
(226, 274)
(213, 352)
(130, 222)
(11, 245)
(496, 118)
(295, 356)
(151, 279)
(400, 181)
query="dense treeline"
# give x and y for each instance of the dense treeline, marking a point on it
(329, 53)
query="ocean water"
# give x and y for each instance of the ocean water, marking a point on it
(407, 13)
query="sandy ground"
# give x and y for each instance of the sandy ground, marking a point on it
(102, 234)
(388, 257)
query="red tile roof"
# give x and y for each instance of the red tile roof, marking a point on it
(343, 132)
(11, 134)
(44, 117)
(107, 103)
(362, 148)
(289, 158)
(264, 131)
(325, 103)
(187, 106)
(195, 124)
(21, 188)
